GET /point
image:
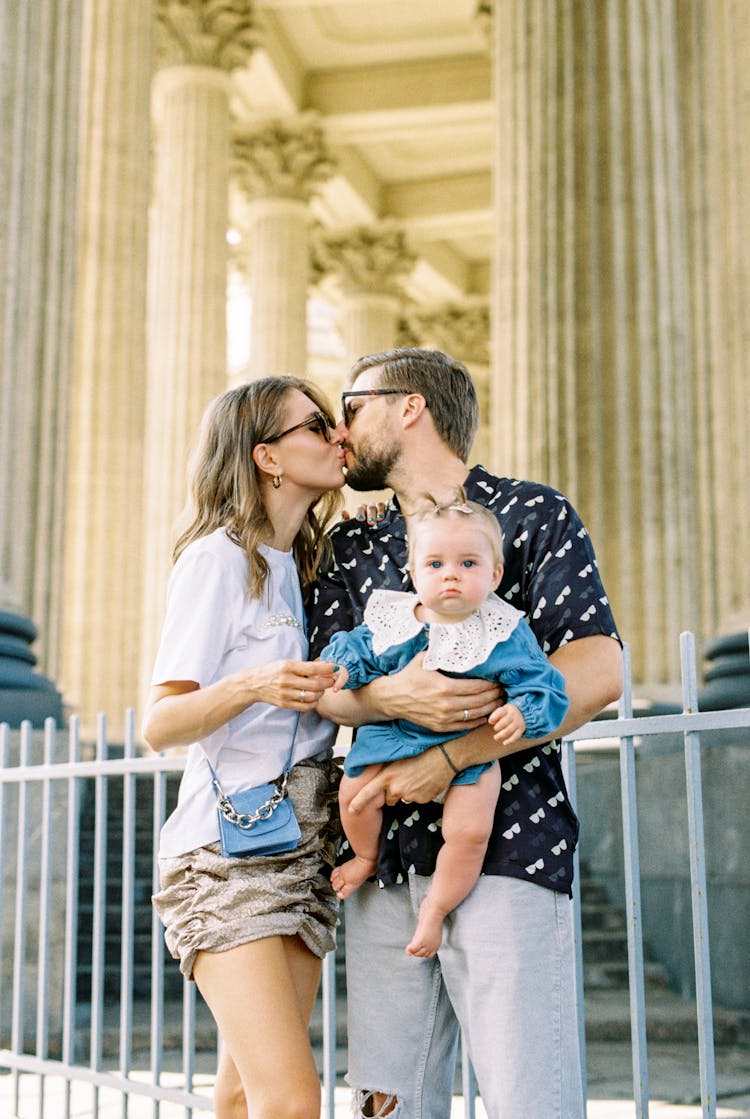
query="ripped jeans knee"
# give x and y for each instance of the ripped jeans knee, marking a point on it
(368, 1104)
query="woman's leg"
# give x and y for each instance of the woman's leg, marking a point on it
(363, 832)
(261, 996)
(229, 1095)
(305, 969)
(468, 813)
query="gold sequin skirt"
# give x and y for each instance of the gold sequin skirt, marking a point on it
(208, 903)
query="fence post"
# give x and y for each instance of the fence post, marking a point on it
(633, 900)
(71, 911)
(571, 779)
(698, 894)
(330, 1027)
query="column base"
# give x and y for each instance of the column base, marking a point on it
(726, 676)
(24, 694)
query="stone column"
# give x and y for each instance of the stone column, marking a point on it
(713, 49)
(594, 380)
(198, 45)
(278, 167)
(463, 331)
(370, 264)
(714, 53)
(102, 556)
(40, 70)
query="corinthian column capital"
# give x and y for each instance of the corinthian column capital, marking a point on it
(463, 331)
(373, 259)
(282, 159)
(221, 34)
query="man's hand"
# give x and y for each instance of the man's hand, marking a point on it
(418, 779)
(437, 702)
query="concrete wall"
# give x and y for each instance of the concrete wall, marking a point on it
(664, 852)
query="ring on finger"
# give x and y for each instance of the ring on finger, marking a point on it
(302, 696)
(466, 715)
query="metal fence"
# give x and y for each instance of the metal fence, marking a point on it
(59, 1001)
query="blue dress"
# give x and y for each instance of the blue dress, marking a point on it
(494, 643)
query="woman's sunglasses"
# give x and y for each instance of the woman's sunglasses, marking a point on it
(317, 422)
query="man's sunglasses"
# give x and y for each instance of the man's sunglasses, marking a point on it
(348, 410)
(317, 422)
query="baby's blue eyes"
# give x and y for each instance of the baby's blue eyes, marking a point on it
(436, 564)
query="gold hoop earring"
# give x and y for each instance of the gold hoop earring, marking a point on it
(276, 481)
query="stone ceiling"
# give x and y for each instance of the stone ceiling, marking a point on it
(402, 90)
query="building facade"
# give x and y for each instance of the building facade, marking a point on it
(552, 192)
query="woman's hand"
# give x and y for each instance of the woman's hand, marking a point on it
(297, 685)
(372, 513)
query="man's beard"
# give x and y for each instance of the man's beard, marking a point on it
(372, 469)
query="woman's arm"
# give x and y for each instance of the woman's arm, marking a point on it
(179, 712)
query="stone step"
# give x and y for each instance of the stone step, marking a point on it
(610, 975)
(602, 916)
(604, 945)
(143, 863)
(593, 893)
(142, 909)
(669, 1018)
(142, 982)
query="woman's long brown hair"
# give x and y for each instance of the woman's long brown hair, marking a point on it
(224, 488)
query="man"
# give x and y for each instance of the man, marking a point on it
(506, 964)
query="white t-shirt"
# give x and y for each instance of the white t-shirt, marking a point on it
(212, 629)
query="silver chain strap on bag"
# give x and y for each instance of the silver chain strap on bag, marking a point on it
(259, 820)
(264, 811)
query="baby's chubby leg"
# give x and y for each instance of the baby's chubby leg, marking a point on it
(468, 814)
(362, 829)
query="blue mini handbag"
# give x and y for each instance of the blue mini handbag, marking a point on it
(257, 821)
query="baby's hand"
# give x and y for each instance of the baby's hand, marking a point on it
(508, 722)
(340, 677)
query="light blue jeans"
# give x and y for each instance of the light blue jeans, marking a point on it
(506, 967)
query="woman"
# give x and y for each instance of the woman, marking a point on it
(230, 678)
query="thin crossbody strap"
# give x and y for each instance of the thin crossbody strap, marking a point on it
(284, 777)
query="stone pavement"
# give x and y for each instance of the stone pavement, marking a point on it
(611, 1098)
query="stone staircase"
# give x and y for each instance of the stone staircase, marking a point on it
(669, 1016)
(605, 942)
(143, 871)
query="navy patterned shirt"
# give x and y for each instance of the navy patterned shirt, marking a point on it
(551, 574)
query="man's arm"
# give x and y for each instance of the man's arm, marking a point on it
(592, 667)
(423, 696)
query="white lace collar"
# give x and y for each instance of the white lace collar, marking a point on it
(455, 647)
